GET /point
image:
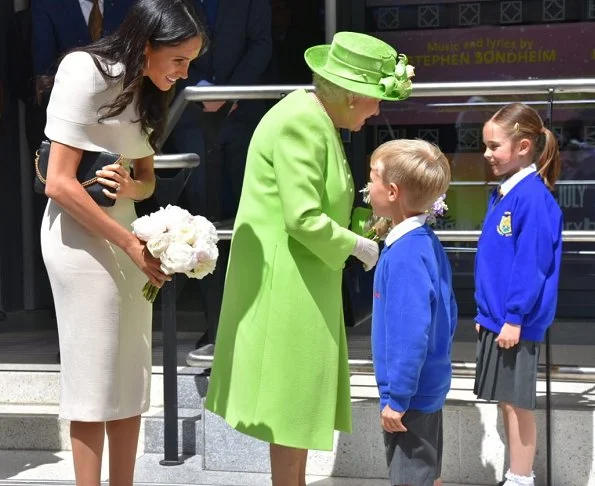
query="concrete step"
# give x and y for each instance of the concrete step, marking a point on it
(474, 450)
(29, 396)
(38, 428)
(39, 384)
(190, 431)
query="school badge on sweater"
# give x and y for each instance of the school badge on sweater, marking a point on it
(505, 226)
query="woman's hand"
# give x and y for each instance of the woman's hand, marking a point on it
(147, 263)
(509, 336)
(366, 251)
(118, 179)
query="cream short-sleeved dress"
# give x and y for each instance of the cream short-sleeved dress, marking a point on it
(104, 322)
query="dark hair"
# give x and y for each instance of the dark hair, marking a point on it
(520, 121)
(161, 23)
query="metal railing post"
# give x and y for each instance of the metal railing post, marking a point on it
(330, 20)
(169, 332)
(170, 375)
(548, 350)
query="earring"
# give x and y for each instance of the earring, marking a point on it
(351, 107)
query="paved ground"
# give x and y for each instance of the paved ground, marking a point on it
(20, 468)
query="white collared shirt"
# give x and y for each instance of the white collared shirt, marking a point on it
(514, 179)
(405, 227)
(87, 5)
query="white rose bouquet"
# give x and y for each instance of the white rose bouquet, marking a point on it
(182, 242)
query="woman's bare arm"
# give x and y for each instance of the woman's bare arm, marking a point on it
(63, 187)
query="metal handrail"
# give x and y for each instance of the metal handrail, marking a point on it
(473, 235)
(220, 93)
(466, 235)
(204, 357)
(176, 161)
(491, 88)
(583, 182)
(421, 90)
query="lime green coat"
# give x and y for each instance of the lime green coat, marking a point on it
(281, 372)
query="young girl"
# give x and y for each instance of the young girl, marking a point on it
(516, 274)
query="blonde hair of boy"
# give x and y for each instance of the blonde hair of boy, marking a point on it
(418, 167)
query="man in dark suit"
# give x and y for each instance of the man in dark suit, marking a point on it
(56, 27)
(11, 250)
(239, 52)
(59, 26)
(5, 16)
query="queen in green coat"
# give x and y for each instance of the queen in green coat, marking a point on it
(280, 372)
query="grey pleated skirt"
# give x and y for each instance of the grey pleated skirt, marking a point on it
(506, 375)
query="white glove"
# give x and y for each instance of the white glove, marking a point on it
(366, 251)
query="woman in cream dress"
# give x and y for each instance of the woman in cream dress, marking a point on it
(110, 96)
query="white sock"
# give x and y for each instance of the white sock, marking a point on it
(517, 480)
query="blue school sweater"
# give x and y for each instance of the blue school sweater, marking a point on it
(413, 322)
(517, 265)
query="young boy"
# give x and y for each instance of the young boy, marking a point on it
(414, 313)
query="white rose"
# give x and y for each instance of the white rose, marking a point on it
(205, 229)
(178, 258)
(185, 233)
(410, 71)
(202, 269)
(176, 216)
(207, 259)
(148, 227)
(206, 251)
(158, 244)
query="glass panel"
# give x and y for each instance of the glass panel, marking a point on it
(574, 334)
(499, 41)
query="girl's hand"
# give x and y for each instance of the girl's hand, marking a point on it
(509, 336)
(118, 180)
(391, 420)
(147, 263)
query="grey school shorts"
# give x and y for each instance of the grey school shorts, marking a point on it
(415, 457)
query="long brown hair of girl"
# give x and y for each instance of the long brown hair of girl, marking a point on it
(520, 121)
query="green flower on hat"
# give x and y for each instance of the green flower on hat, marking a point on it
(399, 82)
(363, 65)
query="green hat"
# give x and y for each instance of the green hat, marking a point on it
(362, 64)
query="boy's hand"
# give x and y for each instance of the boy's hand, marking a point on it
(390, 420)
(509, 336)
(477, 328)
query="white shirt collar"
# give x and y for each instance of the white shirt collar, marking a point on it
(87, 5)
(405, 227)
(514, 179)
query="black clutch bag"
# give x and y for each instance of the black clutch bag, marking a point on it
(90, 163)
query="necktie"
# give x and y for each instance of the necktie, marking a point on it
(95, 22)
(499, 194)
